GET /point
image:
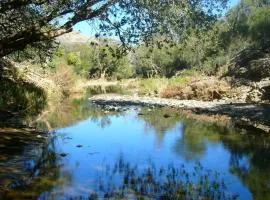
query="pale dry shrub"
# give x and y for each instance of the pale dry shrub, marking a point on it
(64, 77)
(206, 88)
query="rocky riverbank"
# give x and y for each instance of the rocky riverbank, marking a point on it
(255, 116)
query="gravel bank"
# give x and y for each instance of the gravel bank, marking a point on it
(254, 115)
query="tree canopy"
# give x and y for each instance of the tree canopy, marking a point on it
(36, 22)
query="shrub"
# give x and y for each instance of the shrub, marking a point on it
(64, 77)
(73, 58)
(199, 88)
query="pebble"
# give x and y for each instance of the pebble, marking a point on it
(63, 154)
(166, 116)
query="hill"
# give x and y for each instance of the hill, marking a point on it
(73, 38)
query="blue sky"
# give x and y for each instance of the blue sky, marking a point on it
(90, 29)
(233, 2)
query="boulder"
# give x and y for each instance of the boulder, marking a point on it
(250, 64)
(255, 70)
(250, 69)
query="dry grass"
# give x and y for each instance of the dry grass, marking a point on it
(64, 77)
(56, 82)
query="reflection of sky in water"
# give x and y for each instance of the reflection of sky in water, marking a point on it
(129, 137)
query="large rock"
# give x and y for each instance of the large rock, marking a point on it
(250, 91)
(250, 64)
(251, 69)
(266, 94)
(255, 70)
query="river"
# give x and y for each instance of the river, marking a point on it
(135, 153)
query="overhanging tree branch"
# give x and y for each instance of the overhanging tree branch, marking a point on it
(15, 4)
(34, 33)
(87, 13)
(25, 22)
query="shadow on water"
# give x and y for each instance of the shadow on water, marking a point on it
(28, 164)
(72, 111)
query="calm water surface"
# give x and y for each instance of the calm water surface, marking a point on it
(139, 153)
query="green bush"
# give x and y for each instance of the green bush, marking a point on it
(73, 58)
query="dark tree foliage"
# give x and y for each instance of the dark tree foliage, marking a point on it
(251, 19)
(28, 22)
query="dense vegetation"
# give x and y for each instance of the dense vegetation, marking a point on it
(246, 26)
(18, 95)
(96, 61)
(199, 39)
(199, 42)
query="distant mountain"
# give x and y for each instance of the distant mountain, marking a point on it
(75, 38)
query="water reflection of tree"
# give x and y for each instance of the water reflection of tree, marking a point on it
(155, 121)
(72, 111)
(31, 169)
(250, 161)
(250, 154)
(193, 134)
(196, 136)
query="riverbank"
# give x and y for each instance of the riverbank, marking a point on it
(255, 116)
(188, 91)
(28, 90)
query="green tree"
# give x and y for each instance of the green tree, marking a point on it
(107, 64)
(251, 21)
(99, 61)
(245, 26)
(162, 60)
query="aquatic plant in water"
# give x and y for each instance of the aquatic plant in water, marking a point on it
(124, 181)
